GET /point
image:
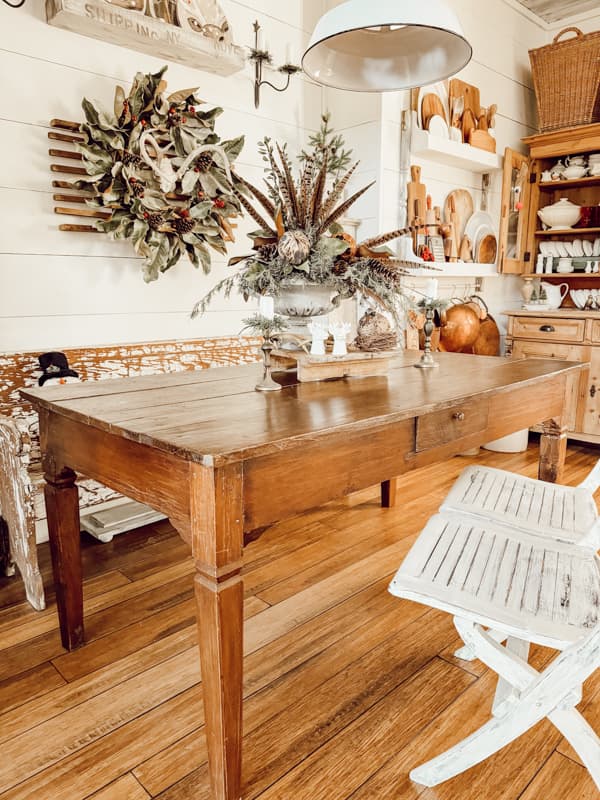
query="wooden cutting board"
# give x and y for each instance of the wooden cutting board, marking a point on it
(458, 88)
(463, 210)
(483, 140)
(417, 195)
(469, 124)
(430, 106)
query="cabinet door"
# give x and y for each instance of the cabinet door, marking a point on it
(514, 217)
(521, 348)
(590, 418)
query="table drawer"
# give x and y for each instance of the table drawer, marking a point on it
(562, 351)
(454, 422)
(548, 329)
(595, 335)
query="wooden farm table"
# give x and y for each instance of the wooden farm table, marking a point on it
(221, 460)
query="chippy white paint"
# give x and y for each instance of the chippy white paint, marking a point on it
(489, 563)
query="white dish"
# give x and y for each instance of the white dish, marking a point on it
(439, 127)
(561, 249)
(570, 248)
(544, 250)
(588, 247)
(478, 225)
(596, 250)
(578, 296)
(578, 247)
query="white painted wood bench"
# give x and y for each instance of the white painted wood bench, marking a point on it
(21, 481)
(525, 583)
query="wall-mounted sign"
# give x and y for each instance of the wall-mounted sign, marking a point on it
(191, 32)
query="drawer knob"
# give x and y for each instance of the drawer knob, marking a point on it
(593, 390)
(547, 328)
(458, 416)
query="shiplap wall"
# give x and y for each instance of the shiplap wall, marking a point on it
(66, 289)
(501, 38)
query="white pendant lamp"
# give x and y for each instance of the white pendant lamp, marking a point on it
(386, 45)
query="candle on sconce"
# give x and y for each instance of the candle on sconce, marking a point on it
(431, 289)
(288, 54)
(266, 307)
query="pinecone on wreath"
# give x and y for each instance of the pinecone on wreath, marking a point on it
(267, 252)
(182, 225)
(137, 189)
(204, 162)
(130, 159)
(155, 220)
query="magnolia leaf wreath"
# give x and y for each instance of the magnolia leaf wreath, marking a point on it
(158, 165)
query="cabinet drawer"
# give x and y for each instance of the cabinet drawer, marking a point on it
(564, 352)
(569, 330)
(595, 336)
(441, 427)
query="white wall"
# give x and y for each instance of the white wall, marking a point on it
(68, 289)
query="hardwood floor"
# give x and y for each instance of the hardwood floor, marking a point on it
(346, 687)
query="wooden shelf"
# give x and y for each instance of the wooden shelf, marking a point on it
(573, 184)
(564, 276)
(569, 232)
(453, 154)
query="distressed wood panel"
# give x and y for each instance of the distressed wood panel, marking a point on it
(555, 10)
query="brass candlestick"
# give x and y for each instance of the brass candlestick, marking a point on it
(267, 384)
(427, 361)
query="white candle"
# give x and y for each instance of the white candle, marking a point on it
(431, 288)
(266, 307)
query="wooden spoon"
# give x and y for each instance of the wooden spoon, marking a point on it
(491, 115)
(468, 124)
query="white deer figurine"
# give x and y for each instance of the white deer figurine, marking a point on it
(319, 334)
(339, 331)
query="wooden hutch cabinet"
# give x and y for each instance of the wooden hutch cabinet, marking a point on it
(567, 333)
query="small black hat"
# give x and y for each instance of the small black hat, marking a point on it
(55, 365)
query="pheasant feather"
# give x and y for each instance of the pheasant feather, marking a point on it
(262, 222)
(382, 238)
(316, 200)
(289, 182)
(336, 192)
(262, 198)
(305, 189)
(341, 209)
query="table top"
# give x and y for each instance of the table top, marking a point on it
(215, 416)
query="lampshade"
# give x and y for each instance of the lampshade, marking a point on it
(386, 45)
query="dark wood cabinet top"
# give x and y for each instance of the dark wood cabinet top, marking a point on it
(215, 416)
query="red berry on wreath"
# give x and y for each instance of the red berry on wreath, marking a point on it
(143, 122)
(200, 193)
(134, 118)
(218, 203)
(132, 180)
(184, 119)
(192, 109)
(196, 169)
(146, 215)
(184, 213)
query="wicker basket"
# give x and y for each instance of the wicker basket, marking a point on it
(566, 77)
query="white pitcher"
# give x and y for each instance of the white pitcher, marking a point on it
(555, 293)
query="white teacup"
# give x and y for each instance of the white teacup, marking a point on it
(565, 265)
(575, 161)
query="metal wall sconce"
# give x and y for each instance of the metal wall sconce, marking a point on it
(261, 57)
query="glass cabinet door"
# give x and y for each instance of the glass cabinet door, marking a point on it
(515, 214)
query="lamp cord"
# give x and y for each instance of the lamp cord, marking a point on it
(18, 4)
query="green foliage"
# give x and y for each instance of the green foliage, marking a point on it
(325, 141)
(162, 227)
(266, 326)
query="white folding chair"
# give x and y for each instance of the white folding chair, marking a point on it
(526, 587)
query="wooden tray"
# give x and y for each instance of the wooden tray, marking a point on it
(321, 368)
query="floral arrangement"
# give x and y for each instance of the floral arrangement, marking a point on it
(299, 239)
(157, 163)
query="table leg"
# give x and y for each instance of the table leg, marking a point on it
(388, 493)
(62, 511)
(217, 543)
(553, 449)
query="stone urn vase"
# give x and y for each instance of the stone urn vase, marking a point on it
(301, 302)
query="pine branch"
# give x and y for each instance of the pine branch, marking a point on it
(341, 210)
(264, 225)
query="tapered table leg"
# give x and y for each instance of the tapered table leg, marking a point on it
(217, 542)
(388, 493)
(553, 450)
(62, 511)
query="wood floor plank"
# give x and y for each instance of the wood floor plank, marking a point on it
(561, 777)
(125, 788)
(346, 687)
